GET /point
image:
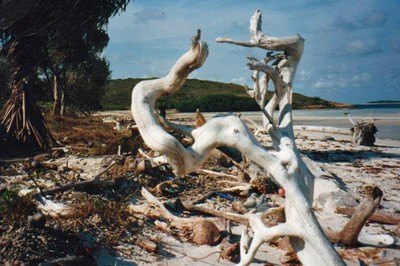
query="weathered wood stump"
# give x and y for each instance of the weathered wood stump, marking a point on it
(364, 133)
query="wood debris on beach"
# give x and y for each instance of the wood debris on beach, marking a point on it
(97, 223)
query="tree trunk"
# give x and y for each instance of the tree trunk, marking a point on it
(22, 125)
(62, 100)
(364, 133)
(56, 97)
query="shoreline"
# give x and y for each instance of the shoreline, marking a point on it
(388, 126)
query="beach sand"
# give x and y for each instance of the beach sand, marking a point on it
(342, 166)
(388, 126)
(341, 170)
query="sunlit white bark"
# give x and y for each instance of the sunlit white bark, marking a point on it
(284, 164)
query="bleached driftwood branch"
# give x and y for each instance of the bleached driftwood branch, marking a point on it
(310, 244)
(157, 209)
(375, 217)
(284, 164)
(350, 234)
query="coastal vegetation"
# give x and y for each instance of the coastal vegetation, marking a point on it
(385, 101)
(49, 46)
(209, 96)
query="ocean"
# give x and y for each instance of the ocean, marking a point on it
(387, 118)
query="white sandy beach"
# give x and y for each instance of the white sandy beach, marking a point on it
(302, 118)
(341, 170)
(338, 166)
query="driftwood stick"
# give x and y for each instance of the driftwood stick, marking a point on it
(237, 189)
(352, 229)
(37, 185)
(271, 217)
(349, 235)
(69, 260)
(375, 217)
(220, 174)
(94, 181)
(155, 208)
(226, 215)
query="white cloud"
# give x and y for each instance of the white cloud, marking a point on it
(361, 78)
(362, 47)
(240, 80)
(345, 80)
(330, 84)
(304, 75)
(155, 33)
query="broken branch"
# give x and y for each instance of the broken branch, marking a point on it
(350, 234)
(95, 181)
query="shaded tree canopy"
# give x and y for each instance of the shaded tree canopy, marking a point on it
(45, 35)
(89, 79)
(4, 77)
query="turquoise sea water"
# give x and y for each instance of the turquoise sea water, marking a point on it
(359, 113)
(387, 118)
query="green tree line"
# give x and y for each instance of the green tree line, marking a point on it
(209, 96)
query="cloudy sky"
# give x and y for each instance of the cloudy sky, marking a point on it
(352, 49)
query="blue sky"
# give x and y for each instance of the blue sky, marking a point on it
(352, 48)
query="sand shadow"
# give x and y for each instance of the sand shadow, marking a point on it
(342, 156)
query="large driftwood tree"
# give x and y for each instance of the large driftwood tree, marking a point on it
(284, 163)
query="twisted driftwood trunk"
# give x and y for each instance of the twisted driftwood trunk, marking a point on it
(284, 164)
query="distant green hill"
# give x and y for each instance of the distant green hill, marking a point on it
(207, 95)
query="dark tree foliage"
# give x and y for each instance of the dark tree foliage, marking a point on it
(4, 78)
(32, 32)
(218, 103)
(88, 79)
